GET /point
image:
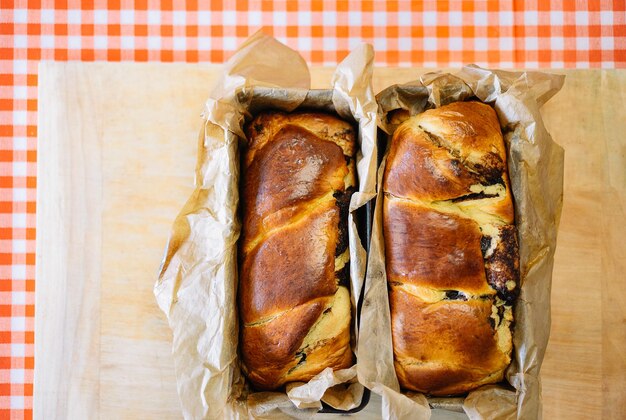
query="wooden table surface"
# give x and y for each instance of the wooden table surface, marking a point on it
(117, 149)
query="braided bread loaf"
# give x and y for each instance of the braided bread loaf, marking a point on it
(294, 303)
(451, 249)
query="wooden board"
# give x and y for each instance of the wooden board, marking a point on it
(117, 148)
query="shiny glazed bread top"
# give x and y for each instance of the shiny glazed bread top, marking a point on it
(294, 304)
(451, 249)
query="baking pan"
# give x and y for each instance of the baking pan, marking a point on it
(257, 99)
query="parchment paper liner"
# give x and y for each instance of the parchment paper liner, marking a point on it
(197, 282)
(536, 172)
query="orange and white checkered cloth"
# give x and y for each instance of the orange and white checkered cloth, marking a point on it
(522, 33)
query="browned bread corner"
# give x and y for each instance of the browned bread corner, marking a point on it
(294, 302)
(451, 249)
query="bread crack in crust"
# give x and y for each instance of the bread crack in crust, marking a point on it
(294, 303)
(451, 248)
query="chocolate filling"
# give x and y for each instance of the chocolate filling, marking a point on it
(503, 265)
(342, 199)
(455, 295)
(485, 242)
(473, 196)
(343, 276)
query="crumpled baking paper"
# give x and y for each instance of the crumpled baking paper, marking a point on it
(536, 171)
(197, 284)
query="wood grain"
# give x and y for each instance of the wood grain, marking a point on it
(67, 339)
(584, 372)
(117, 148)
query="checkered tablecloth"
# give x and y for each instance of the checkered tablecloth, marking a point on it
(550, 34)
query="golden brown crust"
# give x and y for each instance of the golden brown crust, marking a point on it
(304, 250)
(298, 173)
(327, 127)
(293, 169)
(447, 346)
(417, 170)
(442, 153)
(451, 249)
(274, 349)
(448, 247)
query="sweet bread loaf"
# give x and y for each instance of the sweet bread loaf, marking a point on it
(451, 249)
(297, 178)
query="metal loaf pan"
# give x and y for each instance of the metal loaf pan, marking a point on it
(257, 99)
